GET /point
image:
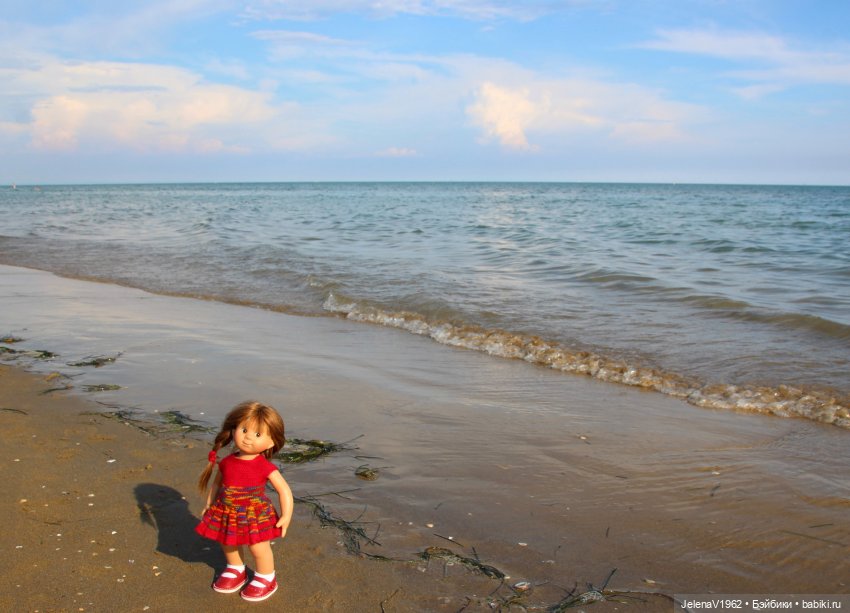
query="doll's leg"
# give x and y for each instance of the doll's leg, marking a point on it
(263, 557)
(234, 576)
(233, 554)
(263, 584)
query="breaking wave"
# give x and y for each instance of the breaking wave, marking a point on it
(782, 400)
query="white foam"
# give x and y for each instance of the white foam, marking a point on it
(782, 401)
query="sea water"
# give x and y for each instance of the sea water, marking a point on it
(731, 297)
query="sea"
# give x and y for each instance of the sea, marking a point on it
(731, 297)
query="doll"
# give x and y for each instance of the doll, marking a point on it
(237, 511)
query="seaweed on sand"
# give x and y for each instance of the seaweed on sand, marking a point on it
(297, 450)
(520, 591)
(63, 388)
(451, 557)
(352, 531)
(58, 375)
(170, 422)
(38, 354)
(367, 473)
(95, 360)
(101, 387)
(593, 594)
(7, 409)
(180, 421)
(119, 412)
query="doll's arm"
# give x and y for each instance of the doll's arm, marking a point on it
(286, 503)
(216, 484)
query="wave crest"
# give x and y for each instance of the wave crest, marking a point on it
(783, 401)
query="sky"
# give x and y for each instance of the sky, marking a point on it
(687, 91)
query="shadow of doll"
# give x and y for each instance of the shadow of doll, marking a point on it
(167, 510)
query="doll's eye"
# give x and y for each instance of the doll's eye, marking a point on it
(257, 435)
(244, 430)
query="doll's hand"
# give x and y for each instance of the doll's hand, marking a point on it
(283, 526)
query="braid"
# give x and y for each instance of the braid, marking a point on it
(222, 439)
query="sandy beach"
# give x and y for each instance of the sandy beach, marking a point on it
(550, 479)
(100, 516)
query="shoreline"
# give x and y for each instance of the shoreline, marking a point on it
(552, 479)
(817, 402)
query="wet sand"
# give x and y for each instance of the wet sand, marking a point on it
(553, 479)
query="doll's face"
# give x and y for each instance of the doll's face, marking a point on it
(252, 438)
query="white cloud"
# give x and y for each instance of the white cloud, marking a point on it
(229, 68)
(123, 29)
(543, 108)
(147, 107)
(468, 9)
(504, 114)
(299, 38)
(776, 64)
(754, 92)
(730, 45)
(397, 152)
(286, 44)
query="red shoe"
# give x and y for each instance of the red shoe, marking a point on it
(256, 594)
(230, 581)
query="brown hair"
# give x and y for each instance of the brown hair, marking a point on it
(249, 411)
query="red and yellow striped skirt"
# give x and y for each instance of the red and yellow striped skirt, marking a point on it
(240, 516)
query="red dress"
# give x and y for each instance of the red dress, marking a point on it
(241, 514)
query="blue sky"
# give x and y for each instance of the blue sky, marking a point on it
(708, 91)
